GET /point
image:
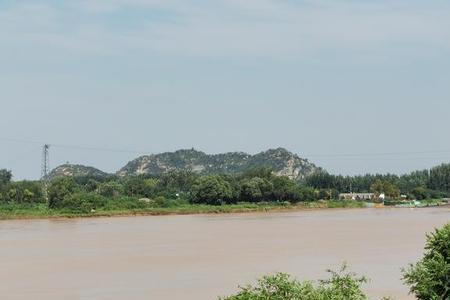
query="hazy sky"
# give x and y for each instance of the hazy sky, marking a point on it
(322, 78)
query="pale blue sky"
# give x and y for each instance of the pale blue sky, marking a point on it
(321, 78)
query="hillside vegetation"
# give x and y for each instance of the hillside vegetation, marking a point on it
(280, 160)
(76, 171)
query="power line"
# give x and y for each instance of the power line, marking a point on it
(310, 155)
(385, 158)
(68, 146)
(14, 140)
(101, 149)
(379, 153)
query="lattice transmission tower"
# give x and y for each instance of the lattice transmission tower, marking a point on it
(45, 170)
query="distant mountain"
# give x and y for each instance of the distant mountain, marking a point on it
(76, 170)
(280, 160)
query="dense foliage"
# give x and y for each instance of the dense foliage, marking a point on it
(84, 193)
(342, 285)
(20, 191)
(429, 279)
(434, 183)
(211, 189)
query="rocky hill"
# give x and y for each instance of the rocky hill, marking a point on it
(281, 161)
(76, 170)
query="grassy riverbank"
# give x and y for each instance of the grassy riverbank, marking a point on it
(41, 211)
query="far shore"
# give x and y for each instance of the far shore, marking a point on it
(42, 212)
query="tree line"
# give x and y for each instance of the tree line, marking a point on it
(184, 187)
(425, 184)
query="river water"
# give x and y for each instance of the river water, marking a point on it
(200, 257)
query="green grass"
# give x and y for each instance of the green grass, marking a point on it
(423, 203)
(29, 211)
(433, 202)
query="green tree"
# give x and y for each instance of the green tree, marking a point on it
(429, 279)
(141, 186)
(440, 178)
(256, 189)
(407, 183)
(211, 189)
(384, 186)
(58, 189)
(285, 189)
(110, 189)
(91, 185)
(5, 177)
(175, 182)
(377, 187)
(23, 192)
(235, 187)
(420, 193)
(307, 194)
(391, 190)
(321, 180)
(342, 285)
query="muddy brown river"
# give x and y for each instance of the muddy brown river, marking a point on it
(200, 257)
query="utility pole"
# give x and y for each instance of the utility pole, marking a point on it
(45, 170)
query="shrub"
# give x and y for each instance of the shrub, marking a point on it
(23, 192)
(83, 202)
(429, 279)
(436, 194)
(140, 186)
(307, 194)
(342, 285)
(110, 189)
(420, 193)
(124, 202)
(162, 202)
(59, 189)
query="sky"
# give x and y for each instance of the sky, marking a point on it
(354, 86)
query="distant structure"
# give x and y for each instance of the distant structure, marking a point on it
(45, 170)
(357, 196)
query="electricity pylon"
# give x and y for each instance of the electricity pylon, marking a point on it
(45, 170)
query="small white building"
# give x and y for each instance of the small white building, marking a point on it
(357, 196)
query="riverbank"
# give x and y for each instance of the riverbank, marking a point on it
(41, 211)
